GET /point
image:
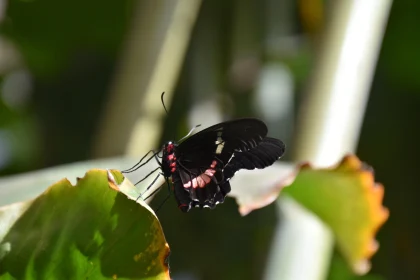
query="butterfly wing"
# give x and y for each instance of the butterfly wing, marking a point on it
(264, 154)
(199, 187)
(208, 159)
(220, 142)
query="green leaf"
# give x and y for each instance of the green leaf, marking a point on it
(348, 200)
(89, 230)
(345, 197)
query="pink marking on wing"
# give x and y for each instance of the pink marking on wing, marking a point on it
(201, 180)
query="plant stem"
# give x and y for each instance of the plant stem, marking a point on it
(150, 65)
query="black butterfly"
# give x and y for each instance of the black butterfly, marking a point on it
(202, 165)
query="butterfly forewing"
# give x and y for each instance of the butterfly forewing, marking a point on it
(220, 142)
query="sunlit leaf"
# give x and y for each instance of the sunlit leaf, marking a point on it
(89, 230)
(348, 200)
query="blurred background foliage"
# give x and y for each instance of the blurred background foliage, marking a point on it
(58, 61)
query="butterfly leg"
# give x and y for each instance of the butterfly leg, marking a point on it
(155, 191)
(153, 171)
(151, 184)
(157, 160)
(138, 165)
(167, 197)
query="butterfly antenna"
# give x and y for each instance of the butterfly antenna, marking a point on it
(163, 103)
(189, 133)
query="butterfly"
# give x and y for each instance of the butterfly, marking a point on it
(202, 165)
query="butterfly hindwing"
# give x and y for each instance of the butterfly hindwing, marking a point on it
(265, 154)
(201, 187)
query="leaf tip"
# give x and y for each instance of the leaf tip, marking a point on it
(166, 261)
(362, 267)
(111, 180)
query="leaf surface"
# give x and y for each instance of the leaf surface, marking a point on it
(89, 230)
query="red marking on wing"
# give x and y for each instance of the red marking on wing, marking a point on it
(203, 179)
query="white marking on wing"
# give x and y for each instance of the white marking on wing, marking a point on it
(220, 143)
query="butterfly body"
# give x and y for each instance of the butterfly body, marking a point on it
(169, 159)
(202, 165)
